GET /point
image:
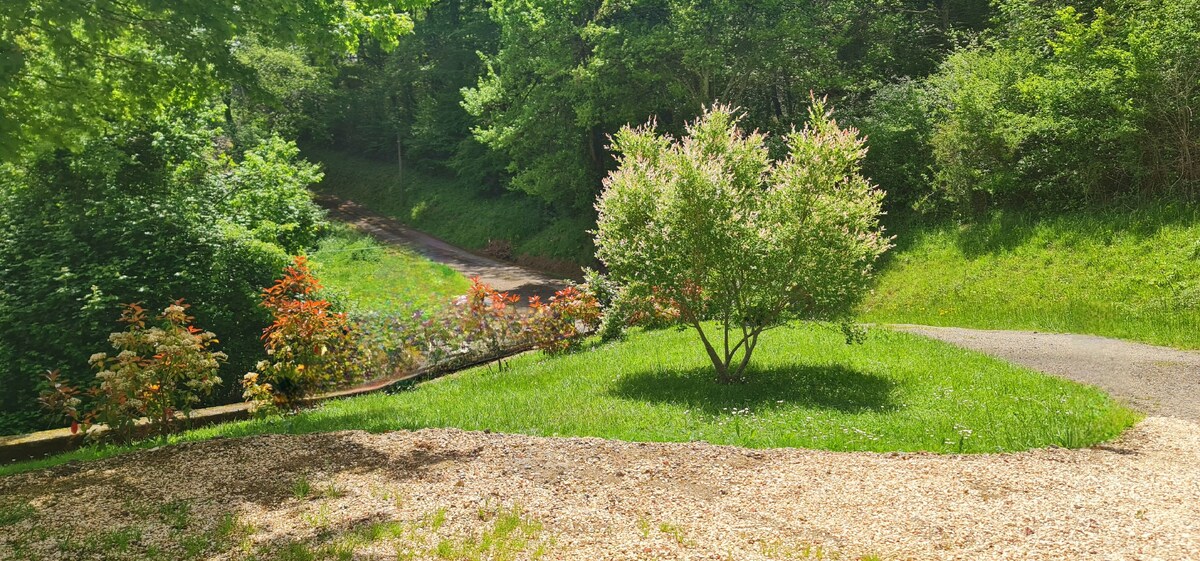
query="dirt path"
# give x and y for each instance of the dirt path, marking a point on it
(1156, 380)
(502, 276)
(438, 491)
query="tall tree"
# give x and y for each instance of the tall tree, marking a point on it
(69, 69)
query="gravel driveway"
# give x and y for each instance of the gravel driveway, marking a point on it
(1155, 380)
(506, 277)
(593, 499)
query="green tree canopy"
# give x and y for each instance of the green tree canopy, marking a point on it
(69, 69)
(714, 224)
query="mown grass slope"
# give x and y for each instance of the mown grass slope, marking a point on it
(369, 276)
(1131, 273)
(895, 392)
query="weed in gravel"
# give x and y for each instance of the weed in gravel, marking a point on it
(17, 512)
(509, 533)
(295, 551)
(301, 488)
(643, 524)
(332, 491)
(176, 514)
(114, 544)
(677, 533)
(780, 551)
(321, 518)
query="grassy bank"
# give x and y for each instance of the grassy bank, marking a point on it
(809, 389)
(1131, 273)
(369, 276)
(463, 215)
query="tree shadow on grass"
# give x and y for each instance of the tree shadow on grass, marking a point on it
(833, 387)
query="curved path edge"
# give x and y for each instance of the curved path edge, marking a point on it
(503, 276)
(1158, 381)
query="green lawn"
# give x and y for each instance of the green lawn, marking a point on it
(894, 392)
(461, 214)
(1128, 273)
(369, 276)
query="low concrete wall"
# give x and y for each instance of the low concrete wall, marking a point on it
(23, 447)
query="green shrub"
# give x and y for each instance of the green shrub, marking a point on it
(269, 195)
(1071, 107)
(159, 371)
(727, 234)
(141, 215)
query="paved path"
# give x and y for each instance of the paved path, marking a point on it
(1156, 380)
(505, 277)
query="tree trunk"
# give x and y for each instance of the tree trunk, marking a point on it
(728, 364)
(399, 169)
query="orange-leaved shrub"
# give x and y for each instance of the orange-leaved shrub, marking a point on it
(159, 371)
(310, 345)
(558, 325)
(487, 317)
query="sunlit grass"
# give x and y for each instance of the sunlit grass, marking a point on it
(370, 276)
(895, 392)
(1127, 273)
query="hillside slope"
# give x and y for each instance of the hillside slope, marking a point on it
(1127, 273)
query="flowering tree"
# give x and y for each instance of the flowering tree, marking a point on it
(713, 224)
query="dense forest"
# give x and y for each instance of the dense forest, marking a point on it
(159, 152)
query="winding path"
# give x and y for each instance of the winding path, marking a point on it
(1155, 380)
(506, 277)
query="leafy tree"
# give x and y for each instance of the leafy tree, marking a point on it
(72, 68)
(267, 193)
(717, 226)
(282, 95)
(567, 74)
(412, 94)
(147, 214)
(1072, 104)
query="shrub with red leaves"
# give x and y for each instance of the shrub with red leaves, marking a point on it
(310, 345)
(558, 325)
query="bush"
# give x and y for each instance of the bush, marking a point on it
(897, 127)
(159, 372)
(727, 234)
(557, 326)
(269, 195)
(139, 216)
(1071, 107)
(309, 345)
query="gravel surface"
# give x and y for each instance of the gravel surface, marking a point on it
(1135, 498)
(1156, 380)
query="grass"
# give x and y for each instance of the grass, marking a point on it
(370, 276)
(895, 392)
(1128, 273)
(185, 539)
(507, 534)
(464, 215)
